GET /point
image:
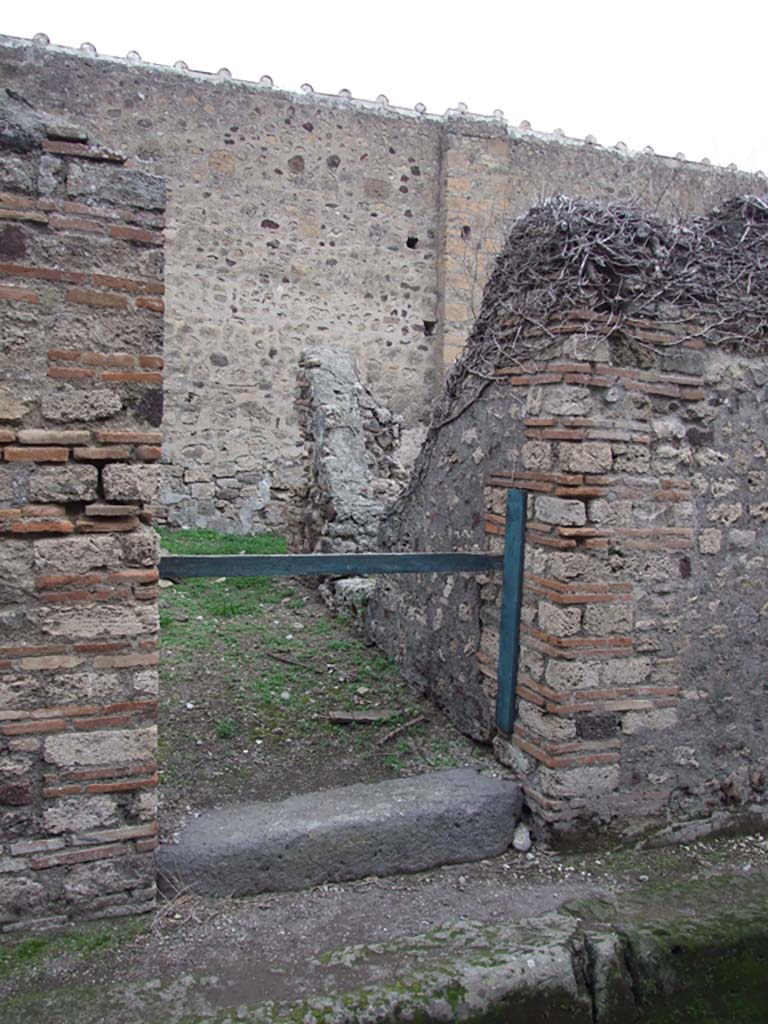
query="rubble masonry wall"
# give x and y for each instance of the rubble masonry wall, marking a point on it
(297, 220)
(80, 410)
(641, 696)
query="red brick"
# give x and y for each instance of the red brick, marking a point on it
(122, 787)
(126, 660)
(80, 856)
(563, 435)
(143, 845)
(81, 224)
(66, 596)
(521, 477)
(111, 594)
(50, 582)
(33, 650)
(127, 377)
(127, 284)
(581, 492)
(43, 273)
(134, 576)
(23, 728)
(69, 373)
(146, 593)
(65, 711)
(90, 774)
(109, 454)
(579, 531)
(132, 234)
(153, 305)
(86, 297)
(551, 542)
(43, 526)
(107, 525)
(16, 214)
(104, 722)
(149, 453)
(101, 646)
(129, 436)
(43, 511)
(534, 378)
(7, 436)
(15, 294)
(151, 362)
(591, 380)
(71, 355)
(17, 202)
(54, 792)
(123, 360)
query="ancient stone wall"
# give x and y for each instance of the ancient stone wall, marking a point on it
(80, 407)
(306, 219)
(350, 442)
(643, 443)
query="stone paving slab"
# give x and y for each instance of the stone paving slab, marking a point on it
(386, 828)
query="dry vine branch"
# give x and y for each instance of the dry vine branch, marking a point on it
(706, 279)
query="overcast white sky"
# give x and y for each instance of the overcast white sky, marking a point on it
(679, 75)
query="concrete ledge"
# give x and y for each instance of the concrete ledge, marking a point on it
(387, 828)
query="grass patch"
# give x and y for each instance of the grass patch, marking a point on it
(209, 542)
(250, 670)
(84, 941)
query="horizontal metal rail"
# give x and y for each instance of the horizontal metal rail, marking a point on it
(361, 564)
(372, 563)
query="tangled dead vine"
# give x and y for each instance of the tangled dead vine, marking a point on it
(707, 277)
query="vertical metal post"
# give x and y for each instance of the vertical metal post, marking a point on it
(511, 603)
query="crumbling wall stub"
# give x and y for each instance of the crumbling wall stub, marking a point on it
(80, 410)
(643, 443)
(295, 217)
(350, 442)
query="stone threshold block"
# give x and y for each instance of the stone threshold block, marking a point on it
(386, 828)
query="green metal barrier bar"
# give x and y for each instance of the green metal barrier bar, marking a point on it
(371, 563)
(363, 564)
(511, 604)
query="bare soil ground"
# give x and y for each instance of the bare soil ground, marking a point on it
(209, 961)
(252, 668)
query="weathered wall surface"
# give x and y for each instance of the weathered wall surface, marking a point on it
(298, 220)
(80, 406)
(350, 440)
(644, 446)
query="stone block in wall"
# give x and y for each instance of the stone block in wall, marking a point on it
(68, 405)
(106, 183)
(560, 511)
(66, 483)
(130, 483)
(113, 747)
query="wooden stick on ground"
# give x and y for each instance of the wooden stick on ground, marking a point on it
(400, 729)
